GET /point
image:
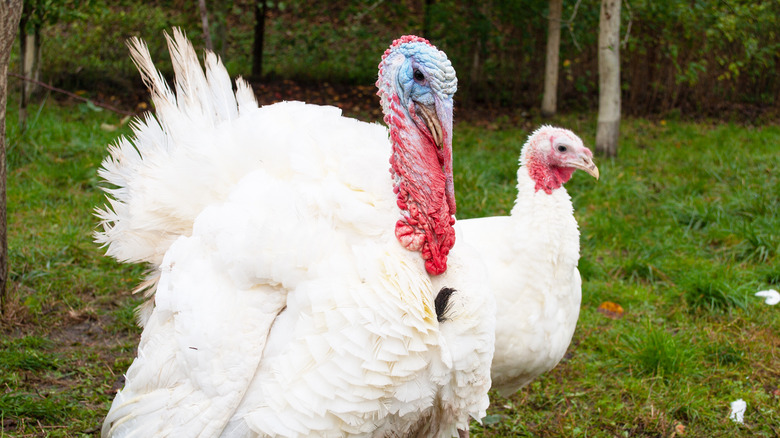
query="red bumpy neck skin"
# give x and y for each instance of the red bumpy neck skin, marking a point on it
(420, 183)
(542, 168)
(548, 177)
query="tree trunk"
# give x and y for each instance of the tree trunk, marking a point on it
(22, 62)
(29, 66)
(10, 12)
(32, 60)
(609, 79)
(261, 10)
(549, 101)
(204, 21)
(476, 64)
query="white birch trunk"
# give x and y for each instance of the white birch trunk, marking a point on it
(609, 78)
(204, 21)
(31, 65)
(550, 99)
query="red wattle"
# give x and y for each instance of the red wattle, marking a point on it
(422, 183)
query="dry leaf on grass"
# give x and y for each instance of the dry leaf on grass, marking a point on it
(611, 310)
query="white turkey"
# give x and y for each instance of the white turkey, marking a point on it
(532, 257)
(299, 289)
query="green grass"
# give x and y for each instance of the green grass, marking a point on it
(681, 230)
(68, 321)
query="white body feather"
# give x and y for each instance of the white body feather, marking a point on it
(531, 257)
(285, 305)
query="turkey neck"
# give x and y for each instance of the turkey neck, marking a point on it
(546, 219)
(420, 183)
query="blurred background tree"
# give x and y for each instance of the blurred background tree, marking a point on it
(550, 98)
(716, 58)
(608, 129)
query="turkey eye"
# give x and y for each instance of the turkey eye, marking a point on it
(418, 76)
(561, 148)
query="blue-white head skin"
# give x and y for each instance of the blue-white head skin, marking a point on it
(427, 78)
(416, 85)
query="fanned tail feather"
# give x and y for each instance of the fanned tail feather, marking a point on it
(193, 90)
(161, 178)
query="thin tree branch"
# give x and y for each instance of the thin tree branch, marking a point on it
(628, 27)
(73, 95)
(733, 11)
(570, 25)
(367, 10)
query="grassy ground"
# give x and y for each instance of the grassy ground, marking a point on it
(681, 231)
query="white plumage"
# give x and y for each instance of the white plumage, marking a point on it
(532, 257)
(283, 303)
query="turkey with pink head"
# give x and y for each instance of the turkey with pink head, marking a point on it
(297, 288)
(532, 257)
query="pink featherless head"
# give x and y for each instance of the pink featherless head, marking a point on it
(551, 156)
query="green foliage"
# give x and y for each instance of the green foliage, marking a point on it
(90, 52)
(683, 57)
(39, 13)
(683, 53)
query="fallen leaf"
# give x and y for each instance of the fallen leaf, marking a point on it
(611, 310)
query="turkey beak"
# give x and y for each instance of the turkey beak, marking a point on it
(438, 118)
(585, 163)
(429, 114)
